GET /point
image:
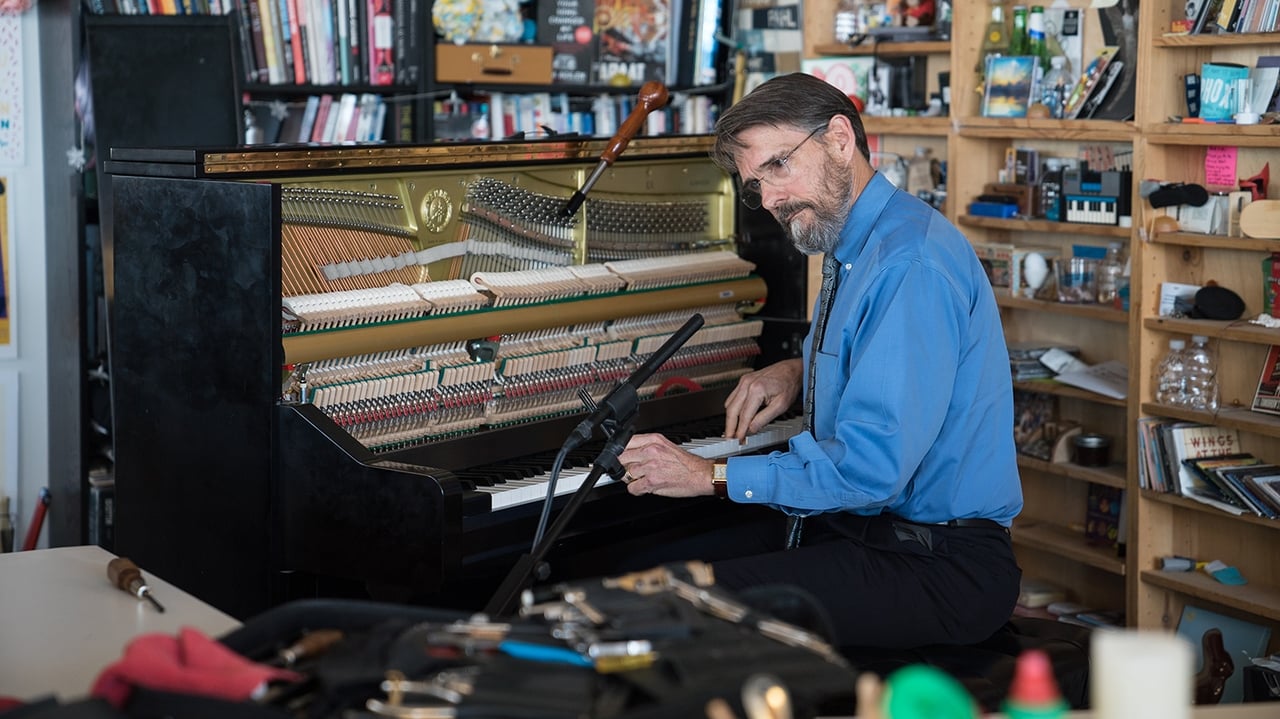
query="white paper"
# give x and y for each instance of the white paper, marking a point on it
(1108, 378)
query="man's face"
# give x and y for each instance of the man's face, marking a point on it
(805, 187)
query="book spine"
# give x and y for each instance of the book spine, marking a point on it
(299, 64)
(253, 38)
(343, 12)
(381, 41)
(355, 40)
(408, 51)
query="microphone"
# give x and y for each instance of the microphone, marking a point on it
(652, 96)
(622, 402)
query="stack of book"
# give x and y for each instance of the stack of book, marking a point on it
(1206, 463)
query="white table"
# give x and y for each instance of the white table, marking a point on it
(62, 622)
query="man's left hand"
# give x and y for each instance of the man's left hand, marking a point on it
(659, 466)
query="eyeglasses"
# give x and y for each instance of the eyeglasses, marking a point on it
(775, 172)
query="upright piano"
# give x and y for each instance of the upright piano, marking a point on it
(349, 367)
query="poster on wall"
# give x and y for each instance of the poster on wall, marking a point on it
(11, 87)
(7, 348)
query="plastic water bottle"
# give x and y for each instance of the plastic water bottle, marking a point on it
(1170, 374)
(1109, 272)
(1054, 87)
(1200, 388)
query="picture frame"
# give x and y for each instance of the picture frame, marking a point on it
(1007, 90)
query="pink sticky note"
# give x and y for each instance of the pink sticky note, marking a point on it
(1220, 166)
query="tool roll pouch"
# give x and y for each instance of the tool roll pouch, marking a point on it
(659, 643)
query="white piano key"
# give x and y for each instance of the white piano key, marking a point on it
(507, 495)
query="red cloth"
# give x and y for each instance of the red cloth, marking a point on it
(190, 663)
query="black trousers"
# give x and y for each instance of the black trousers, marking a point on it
(880, 581)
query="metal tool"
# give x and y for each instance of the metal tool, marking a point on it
(125, 574)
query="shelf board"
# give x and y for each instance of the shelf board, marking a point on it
(1232, 330)
(1177, 133)
(1037, 129)
(1190, 504)
(1069, 228)
(1054, 387)
(909, 126)
(1215, 242)
(1067, 543)
(1110, 476)
(1094, 312)
(1258, 600)
(1238, 418)
(885, 49)
(1210, 41)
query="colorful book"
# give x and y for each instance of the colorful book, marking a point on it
(381, 44)
(1009, 80)
(633, 42)
(1220, 84)
(566, 25)
(1267, 397)
(1095, 73)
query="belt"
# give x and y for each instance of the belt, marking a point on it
(978, 523)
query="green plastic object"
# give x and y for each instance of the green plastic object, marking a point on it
(924, 692)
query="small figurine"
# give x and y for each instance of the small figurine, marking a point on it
(917, 13)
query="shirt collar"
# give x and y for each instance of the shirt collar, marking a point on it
(866, 211)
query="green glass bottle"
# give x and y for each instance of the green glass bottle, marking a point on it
(1018, 40)
(1037, 44)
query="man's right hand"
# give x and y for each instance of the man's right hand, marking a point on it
(761, 396)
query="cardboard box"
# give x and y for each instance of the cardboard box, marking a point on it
(996, 259)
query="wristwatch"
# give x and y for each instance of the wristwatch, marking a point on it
(720, 478)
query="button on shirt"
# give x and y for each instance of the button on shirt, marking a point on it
(914, 407)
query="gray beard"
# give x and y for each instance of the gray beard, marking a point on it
(822, 234)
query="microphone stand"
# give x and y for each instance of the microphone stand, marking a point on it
(616, 417)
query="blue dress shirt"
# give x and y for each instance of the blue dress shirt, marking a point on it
(914, 411)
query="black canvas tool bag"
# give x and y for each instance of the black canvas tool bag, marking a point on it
(662, 643)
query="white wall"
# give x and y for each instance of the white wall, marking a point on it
(25, 184)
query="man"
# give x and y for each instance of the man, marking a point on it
(907, 479)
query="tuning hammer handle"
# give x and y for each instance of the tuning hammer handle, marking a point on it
(653, 95)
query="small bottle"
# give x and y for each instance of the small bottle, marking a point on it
(1053, 87)
(1170, 375)
(1034, 692)
(1019, 43)
(1109, 272)
(1200, 386)
(995, 40)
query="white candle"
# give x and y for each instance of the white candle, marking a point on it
(1140, 675)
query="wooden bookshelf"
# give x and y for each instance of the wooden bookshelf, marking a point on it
(1067, 543)
(1026, 225)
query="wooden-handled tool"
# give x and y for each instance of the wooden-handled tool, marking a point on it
(125, 574)
(653, 95)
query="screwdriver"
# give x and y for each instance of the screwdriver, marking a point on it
(125, 574)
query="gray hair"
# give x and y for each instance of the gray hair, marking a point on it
(796, 100)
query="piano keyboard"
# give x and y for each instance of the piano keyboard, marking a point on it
(1093, 209)
(512, 493)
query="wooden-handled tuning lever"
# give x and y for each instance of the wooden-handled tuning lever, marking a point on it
(125, 574)
(653, 95)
